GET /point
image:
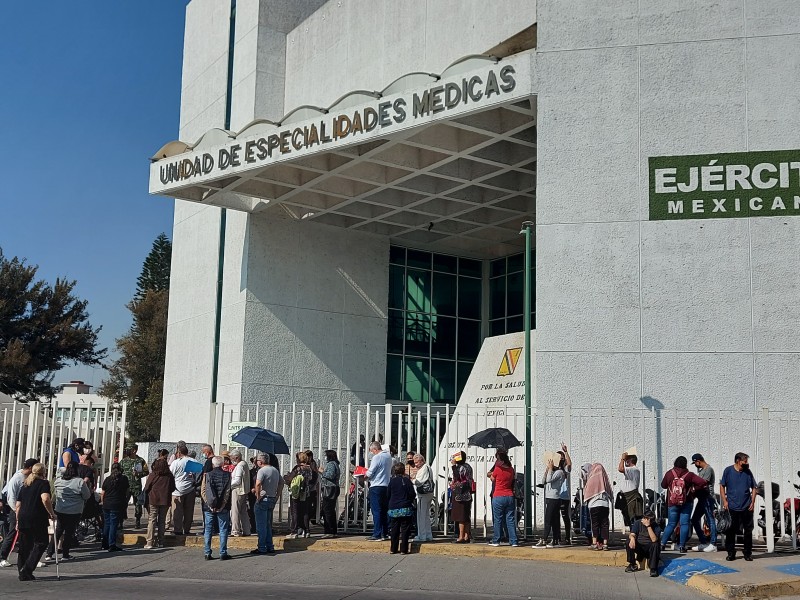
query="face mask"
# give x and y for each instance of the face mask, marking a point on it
(745, 467)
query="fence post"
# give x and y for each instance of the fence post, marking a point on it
(765, 465)
(122, 429)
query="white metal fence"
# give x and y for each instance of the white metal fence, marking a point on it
(33, 431)
(591, 434)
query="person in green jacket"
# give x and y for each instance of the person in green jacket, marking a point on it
(134, 467)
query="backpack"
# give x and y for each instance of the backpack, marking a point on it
(677, 491)
(298, 488)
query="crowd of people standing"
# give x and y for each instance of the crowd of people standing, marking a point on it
(238, 497)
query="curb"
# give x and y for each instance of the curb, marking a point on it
(574, 555)
(726, 591)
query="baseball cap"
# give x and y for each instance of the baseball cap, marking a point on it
(697, 456)
(29, 463)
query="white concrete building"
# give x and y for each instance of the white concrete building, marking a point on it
(352, 176)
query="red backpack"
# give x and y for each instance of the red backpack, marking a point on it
(677, 491)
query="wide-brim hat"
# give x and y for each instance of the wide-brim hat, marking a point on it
(550, 455)
(632, 451)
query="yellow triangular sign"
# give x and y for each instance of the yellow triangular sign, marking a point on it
(509, 362)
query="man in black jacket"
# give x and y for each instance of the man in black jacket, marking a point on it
(216, 495)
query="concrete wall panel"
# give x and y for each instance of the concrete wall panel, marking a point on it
(599, 380)
(776, 284)
(695, 286)
(695, 381)
(773, 105)
(587, 287)
(669, 21)
(588, 107)
(587, 24)
(772, 17)
(777, 382)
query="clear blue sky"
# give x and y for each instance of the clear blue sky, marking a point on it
(90, 90)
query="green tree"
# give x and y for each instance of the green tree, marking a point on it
(137, 376)
(43, 328)
(155, 271)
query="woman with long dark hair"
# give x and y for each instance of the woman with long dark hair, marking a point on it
(71, 496)
(401, 508)
(329, 482)
(461, 499)
(114, 497)
(34, 509)
(504, 506)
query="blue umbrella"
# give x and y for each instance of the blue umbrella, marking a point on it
(258, 438)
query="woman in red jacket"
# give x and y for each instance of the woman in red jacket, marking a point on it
(681, 486)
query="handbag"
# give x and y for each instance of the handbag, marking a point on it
(330, 492)
(723, 520)
(425, 488)
(463, 492)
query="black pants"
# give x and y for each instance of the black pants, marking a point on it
(401, 529)
(66, 526)
(32, 544)
(599, 518)
(743, 519)
(329, 514)
(552, 518)
(11, 532)
(564, 506)
(652, 552)
(302, 515)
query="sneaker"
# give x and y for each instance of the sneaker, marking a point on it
(4, 563)
(225, 556)
(386, 538)
(653, 573)
(147, 547)
(291, 536)
(682, 550)
(308, 535)
(40, 564)
(513, 545)
(699, 548)
(494, 544)
(710, 548)
(540, 544)
(550, 545)
(631, 568)
(372, 539)
(47, 559)
(67, 557)
(208, 557)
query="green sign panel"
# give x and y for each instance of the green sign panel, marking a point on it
(719, 186)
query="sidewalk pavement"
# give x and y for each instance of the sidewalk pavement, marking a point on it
(768, 576)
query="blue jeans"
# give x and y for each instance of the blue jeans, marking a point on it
(378, 503)
(110, 525)
(503, 513)
(223, 522)
(705, 506)
(263, 512)
(675, 515)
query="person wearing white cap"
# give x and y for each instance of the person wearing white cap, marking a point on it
(632, 477)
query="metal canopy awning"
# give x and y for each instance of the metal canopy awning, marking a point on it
(458, 178)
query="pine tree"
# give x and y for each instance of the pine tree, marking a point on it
(137, 376)
(42, 329)
(156, 268)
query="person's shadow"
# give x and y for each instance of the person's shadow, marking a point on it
(656, 406)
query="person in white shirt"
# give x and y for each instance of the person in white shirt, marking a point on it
(378, 474)
(629, 487)
(423, 483)
(240, 487)
(11, 491)
(185, 493)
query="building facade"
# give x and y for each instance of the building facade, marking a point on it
(352, 176)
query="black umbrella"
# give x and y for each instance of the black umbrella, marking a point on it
(494, 437)
(258, 438)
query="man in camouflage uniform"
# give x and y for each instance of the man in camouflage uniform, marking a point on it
(134, 467)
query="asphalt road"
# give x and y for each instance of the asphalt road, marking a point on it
(182, 574)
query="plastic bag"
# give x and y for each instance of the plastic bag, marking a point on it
(723, 520)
